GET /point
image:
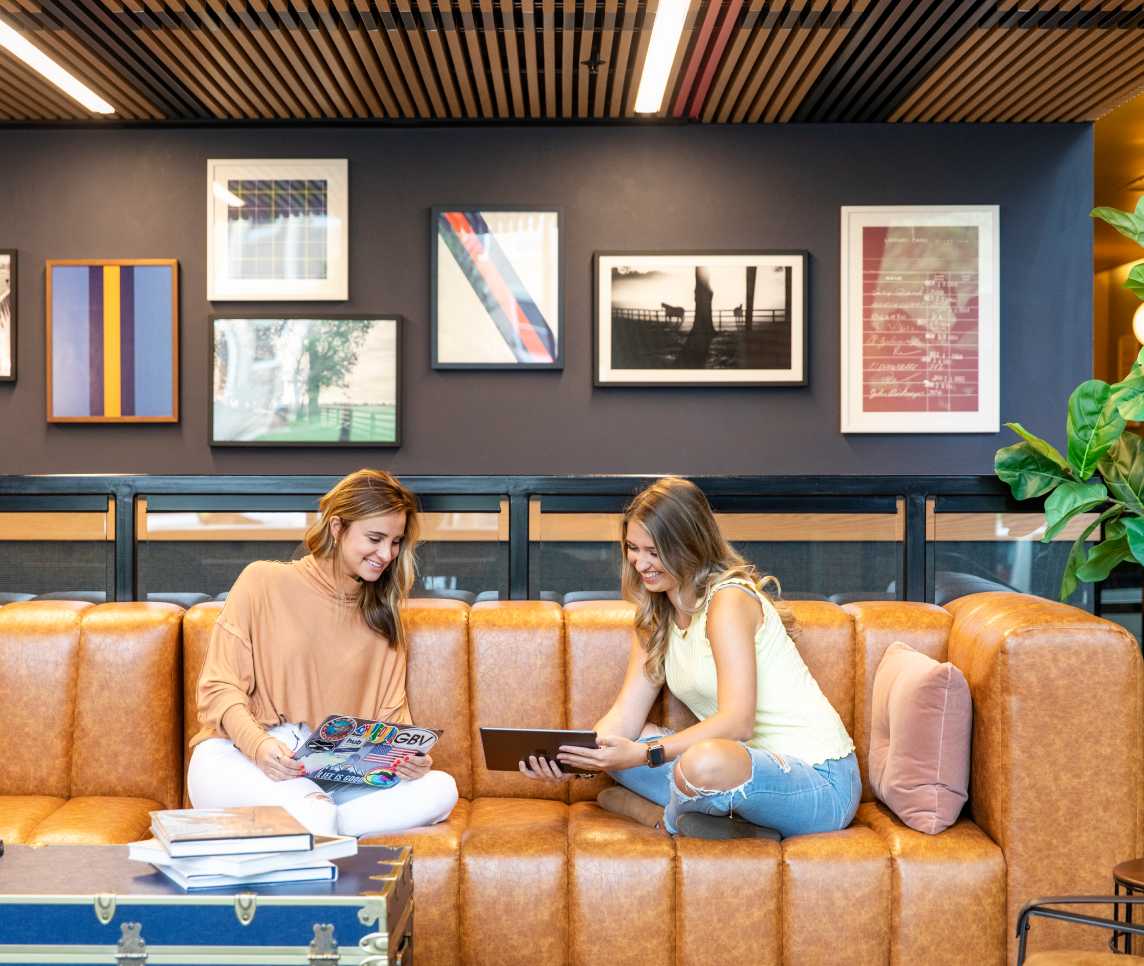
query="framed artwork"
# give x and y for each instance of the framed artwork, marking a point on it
(305, 380)
(7, 315)
(700, 318)
(277, 229)
(497, 293)
(112, 340)
(920, 319)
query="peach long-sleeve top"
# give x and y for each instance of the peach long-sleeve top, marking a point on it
(288, 647)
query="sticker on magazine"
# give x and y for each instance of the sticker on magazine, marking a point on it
(381, 733)
(414, 739)
(336, 728)
(380, 778)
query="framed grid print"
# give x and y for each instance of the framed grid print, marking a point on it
(305, 380)
(713, 319)
(7, 315)
(112, 340)
(277, 229)
(497, 296)
(920, 319)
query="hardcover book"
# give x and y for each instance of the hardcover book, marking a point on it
(345, 750)
(322, 872)
(326, 847)
(227, 831)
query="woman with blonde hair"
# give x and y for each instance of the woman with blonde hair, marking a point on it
(768, 746)
(297, 642)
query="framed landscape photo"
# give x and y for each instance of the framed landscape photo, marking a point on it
(7, 315)
(277, 229)
(920, 319)
(305, 380)
(496, 300)
(700, 318)
(112, 340)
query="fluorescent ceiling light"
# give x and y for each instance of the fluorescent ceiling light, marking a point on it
(665, 34)
(15, 44)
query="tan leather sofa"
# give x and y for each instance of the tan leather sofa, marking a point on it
(97, 705)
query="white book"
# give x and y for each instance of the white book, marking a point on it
(326, 847)
(326, 872)
(229, 831)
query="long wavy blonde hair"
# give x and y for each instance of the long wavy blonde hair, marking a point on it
(691, 550)
(363, 494)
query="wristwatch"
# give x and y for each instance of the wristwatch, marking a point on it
(655, 754)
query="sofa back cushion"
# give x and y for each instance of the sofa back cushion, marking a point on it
(825, 639)
(516, 661)
(127, 735)
(39, 666)
(919, 738)
(877, 624)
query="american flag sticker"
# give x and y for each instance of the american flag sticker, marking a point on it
(388, 758)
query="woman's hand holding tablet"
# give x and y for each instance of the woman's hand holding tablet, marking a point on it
(612, 753)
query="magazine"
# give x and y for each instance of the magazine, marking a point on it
(345, 750)
(228, 831)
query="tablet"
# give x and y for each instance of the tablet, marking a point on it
(505, 748)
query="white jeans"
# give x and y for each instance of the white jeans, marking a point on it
(221, 776)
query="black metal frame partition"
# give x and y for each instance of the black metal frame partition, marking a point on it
(566, 494)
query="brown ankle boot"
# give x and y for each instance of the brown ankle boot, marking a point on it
(625, 802)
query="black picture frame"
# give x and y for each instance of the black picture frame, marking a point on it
(435, 295)
(13, 306)
(796, 319)
(399, 326)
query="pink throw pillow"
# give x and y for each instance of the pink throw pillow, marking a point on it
(922, 721)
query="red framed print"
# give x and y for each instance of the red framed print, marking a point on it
(920, 319)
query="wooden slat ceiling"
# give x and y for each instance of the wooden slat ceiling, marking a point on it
(741, 61)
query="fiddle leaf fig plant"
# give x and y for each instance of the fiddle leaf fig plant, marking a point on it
(1104, 463)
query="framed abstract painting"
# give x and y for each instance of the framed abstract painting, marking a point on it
(7, 315)
(713, 319)
(305, 381)
(112, 340)
(497, 296)
(921, 319)
(277, 229)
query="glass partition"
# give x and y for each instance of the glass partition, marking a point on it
(826, 555)
(978, 551)
(60, 552)
(199, 554)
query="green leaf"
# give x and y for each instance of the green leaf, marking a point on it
(1028, 472)
(1077, 553)
(1128, 395)
(1135, 281)
(1134, 531)
(1102, 558)
(1125, 222)
(1066, 501)
(1123, 471)
(1040, 445)
(1093, 426)
(1114, 529)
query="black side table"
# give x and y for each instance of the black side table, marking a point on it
(1127, 880)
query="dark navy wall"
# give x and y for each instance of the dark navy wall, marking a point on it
(141, 193)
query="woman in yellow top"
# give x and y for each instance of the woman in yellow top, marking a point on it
(297, 642)
(768, 747)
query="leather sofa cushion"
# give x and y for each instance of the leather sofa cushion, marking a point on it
(20, 814)
(1077, 957)
(825, 639)
(948, 905)
(745, 930)
(836, 898)
(514, 883)
(621, 890)
(96, 821)
(39, 666)
(437, 878)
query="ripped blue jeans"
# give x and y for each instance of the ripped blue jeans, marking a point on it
(782, 792)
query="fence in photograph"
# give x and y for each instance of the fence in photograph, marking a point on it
(358, 422)
(724, 320)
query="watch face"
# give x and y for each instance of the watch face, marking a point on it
(655, 754)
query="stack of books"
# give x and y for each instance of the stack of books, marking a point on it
(213, 848)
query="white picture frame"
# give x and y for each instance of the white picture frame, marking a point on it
(920, 319)
(277, 229)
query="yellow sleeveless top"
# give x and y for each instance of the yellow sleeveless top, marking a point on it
(792, 715)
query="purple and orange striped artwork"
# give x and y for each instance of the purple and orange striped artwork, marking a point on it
(112, 341)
